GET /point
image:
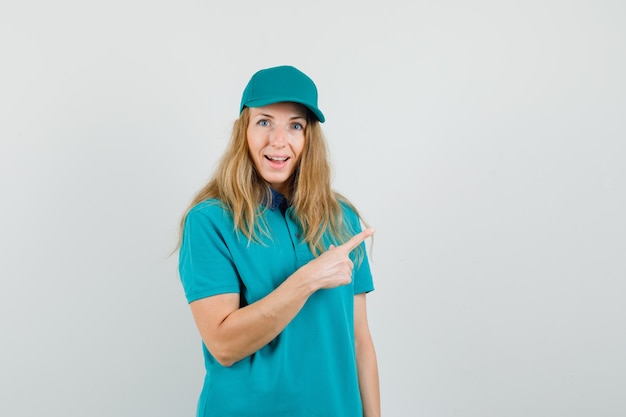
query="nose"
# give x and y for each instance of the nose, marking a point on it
(278, 137)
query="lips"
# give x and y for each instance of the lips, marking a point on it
(276, 161)
(276, 158)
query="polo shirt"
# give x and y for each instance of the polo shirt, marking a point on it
(309, 369)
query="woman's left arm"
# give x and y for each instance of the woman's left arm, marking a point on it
(366, 362)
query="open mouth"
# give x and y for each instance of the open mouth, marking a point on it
(276, 158)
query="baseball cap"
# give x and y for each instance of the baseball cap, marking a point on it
(281, 84)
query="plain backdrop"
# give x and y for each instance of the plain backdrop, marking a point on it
(484, 140)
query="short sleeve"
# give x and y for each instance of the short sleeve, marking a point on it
(362, 275)
(205, 264)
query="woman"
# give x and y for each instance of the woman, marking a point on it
(274, 267)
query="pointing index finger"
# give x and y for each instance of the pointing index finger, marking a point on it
(356, 240)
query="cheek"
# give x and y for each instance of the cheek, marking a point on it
(252, 144)
(298, 146)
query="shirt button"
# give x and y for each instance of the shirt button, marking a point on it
(298, 235)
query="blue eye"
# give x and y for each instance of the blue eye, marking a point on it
(297, 126)
(263, 123)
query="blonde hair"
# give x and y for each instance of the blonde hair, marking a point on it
(316, 207)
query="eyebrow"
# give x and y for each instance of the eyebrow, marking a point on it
(271, 116)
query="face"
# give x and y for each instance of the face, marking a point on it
(275, 141)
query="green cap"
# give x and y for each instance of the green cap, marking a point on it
(281, 84)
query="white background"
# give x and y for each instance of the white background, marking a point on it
(484, 140)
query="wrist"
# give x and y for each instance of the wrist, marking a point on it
(302, 280)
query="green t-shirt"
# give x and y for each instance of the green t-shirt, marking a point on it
(309, 369)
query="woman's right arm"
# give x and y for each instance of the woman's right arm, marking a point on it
(231, 332)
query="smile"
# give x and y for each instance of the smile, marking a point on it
(277, 158)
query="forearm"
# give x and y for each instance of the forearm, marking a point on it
(248, 329)
(367, 367)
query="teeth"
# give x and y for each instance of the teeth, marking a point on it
(274, 158)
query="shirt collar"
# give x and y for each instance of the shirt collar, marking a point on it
(277, 200)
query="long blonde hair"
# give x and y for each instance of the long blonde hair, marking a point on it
(317, 208)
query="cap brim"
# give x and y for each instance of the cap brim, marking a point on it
(260, 102)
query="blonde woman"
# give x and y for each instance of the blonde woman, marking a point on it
(274, 267)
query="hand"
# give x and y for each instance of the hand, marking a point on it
(333, 268)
